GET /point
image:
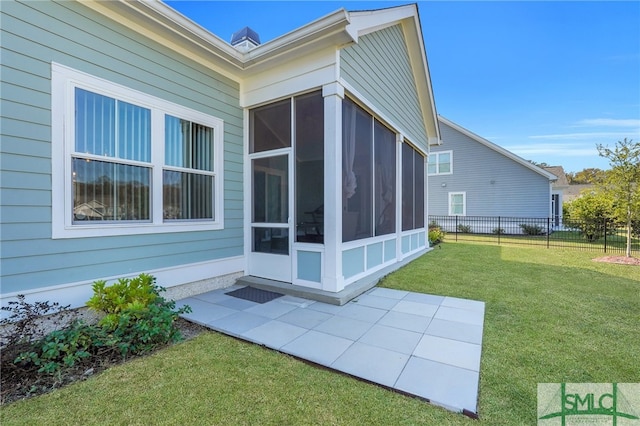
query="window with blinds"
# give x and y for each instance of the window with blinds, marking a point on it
(111, 163)
(188, 175)
(125, 162)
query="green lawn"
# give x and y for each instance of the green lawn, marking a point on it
(551, 316)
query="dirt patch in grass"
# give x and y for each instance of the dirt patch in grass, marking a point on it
(622, 260)
(20, 383)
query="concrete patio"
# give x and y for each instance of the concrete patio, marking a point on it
(419, 344)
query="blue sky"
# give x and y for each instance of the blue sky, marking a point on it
(547, 80)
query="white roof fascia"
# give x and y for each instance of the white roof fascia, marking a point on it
(498, 149)
(160, 22)
(366, 22)
(424, 87)
(190, 26)
(330, 29)
(157, 20)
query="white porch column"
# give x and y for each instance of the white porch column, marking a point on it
(333, 279)
(399, 141)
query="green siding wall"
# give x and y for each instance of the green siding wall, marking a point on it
(379, 68)
(33, 35)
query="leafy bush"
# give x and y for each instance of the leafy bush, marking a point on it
(140, 332)
(436, 235)
(60, 348)
(136, 320)
(498, 231)
(528, 229)
(134, 295)
(588, 214)
(465, 229)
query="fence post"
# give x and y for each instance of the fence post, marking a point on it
(499, 230)
(456, 227)
(548, 230)
(605, 234)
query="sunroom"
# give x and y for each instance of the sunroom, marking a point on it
(326, 212)
(336, 146)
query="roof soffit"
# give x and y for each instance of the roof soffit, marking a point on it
(368, 21)
(497, 148)
(328, 31)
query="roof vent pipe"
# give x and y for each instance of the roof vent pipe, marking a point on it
(245, 39)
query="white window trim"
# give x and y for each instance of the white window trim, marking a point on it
(437, 157)
(464, 203)
(64, 80)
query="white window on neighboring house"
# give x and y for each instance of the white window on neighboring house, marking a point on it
(457, 204)
(440, 163)
(125, 162)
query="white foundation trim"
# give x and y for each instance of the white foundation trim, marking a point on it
(76, 294)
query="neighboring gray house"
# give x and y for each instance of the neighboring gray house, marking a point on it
(471, 176)
(134, 140)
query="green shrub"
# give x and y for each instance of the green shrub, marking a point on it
(531, 229)
(136, 317)
(59, 348)
(436, 235)
(498, 231)
(140, 332)
(588, 213)
(136, 320)
(134, 295)
(465, 229)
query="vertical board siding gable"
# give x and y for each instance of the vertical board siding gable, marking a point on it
(517, 191)
(379, 67)
(34, 34)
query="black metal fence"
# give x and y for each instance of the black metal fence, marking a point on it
(602, 235)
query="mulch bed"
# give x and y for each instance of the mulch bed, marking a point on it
(622, 260)
(18, 383)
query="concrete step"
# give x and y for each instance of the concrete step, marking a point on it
(352, 291)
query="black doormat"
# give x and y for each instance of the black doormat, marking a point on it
(255, 294)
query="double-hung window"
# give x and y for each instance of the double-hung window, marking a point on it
(110, 159)
(440, 163)
(457, 204)
(125, 162)
(189, 173)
